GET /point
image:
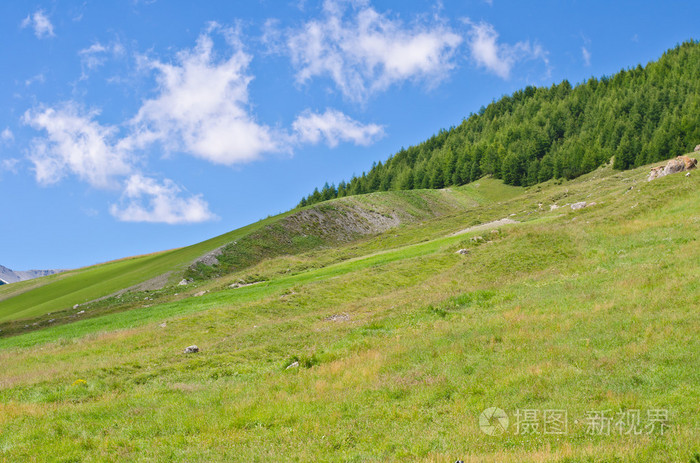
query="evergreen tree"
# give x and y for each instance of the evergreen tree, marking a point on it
(641, 115)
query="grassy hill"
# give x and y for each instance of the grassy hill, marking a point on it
(637, 116)
(387, 345)
(325, 225)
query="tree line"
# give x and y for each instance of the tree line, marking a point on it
(637, 116)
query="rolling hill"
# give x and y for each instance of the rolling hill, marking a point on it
(383, 343)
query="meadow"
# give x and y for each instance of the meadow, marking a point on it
(390, 347)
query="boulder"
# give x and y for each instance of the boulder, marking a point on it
(655, 173)
(183, 282)
(463, 251)
(191, 349)
(674, 166)
(579, 205)
(201, 293)
(690, 163)
(680, 164)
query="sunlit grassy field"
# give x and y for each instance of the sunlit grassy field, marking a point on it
(47, 295)
(389, 348)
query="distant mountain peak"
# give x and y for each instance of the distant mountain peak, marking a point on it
(8, 276)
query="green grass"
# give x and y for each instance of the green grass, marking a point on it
(401, 343)
(83, 285)
(261, 240)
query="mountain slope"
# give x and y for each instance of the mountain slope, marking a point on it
(638, 116)
(10, 276)
(343, 221)
(390, 347)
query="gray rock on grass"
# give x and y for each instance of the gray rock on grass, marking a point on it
(191, 349)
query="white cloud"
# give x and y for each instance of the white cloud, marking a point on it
(37, 78)
(40, 23)
(202, 107)
(96, 55)
(9, 165)
(334, 127)
(499, 58)
(586, 56)
(6, 135)
(364, 51)
(147, 200)
(75, 143)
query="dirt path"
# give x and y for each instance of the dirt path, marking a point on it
(485, 226)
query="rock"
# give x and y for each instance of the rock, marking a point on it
(579, 205)
(191, 349)
(52, 320)
(655, 173)
(553, 207)
(341, 317)
(463, 251)
(183, 282)
(674, 166)
(201, 293)
(81, 312)
(680, 164)
(687, 174)
(689, 162)
(477, 239)
(76, 306)
(697, 148)
(163, 325)
(292, 365)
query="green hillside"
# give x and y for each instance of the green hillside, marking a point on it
(290, 233)
(638, 116)
(60, 291)
(388, 346)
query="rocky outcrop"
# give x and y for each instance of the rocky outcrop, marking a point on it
(680, 164)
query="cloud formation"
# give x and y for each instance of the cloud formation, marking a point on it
(202, 107)
(499, 58)
(334, 127)
(586, 56)
(40, 23)
(96, 55)
(75, 143)
(147, 200)
(9, 165)
(6, 135)
(364, 51)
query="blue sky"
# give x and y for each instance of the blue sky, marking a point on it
(135, 126)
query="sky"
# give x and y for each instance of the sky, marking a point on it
(134, 126)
